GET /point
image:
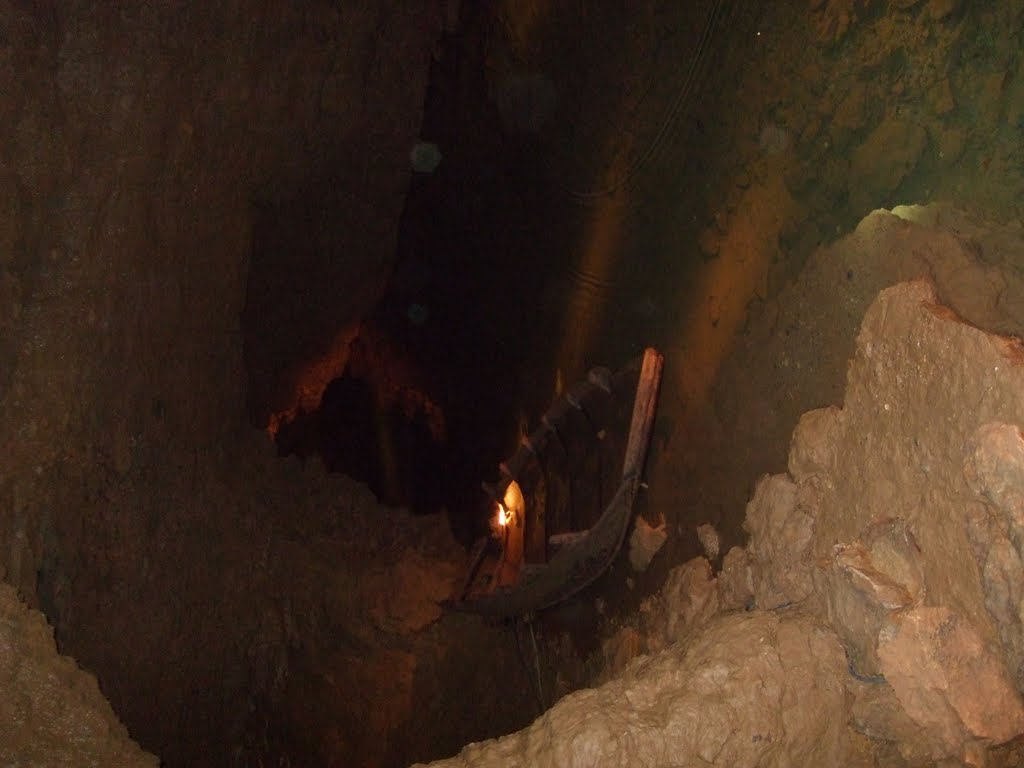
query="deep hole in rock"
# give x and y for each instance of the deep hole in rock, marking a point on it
(437, 380)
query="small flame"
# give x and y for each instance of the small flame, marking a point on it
(502, 516)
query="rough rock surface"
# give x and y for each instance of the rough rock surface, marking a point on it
(757, 689)
(913, 489)
(52, 713)
(882, 106)
(154, 160)
(949, 681)
(886, 558)
(793, 357)
(137, 140)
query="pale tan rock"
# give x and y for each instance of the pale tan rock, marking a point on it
(915, 359)
(686, 602)
(994, 468)
(51, 711)
(736, 580)
(645, 542)
(949, 680)
(758, 689)
(796, 354)
(914, 491)
(780, 531)
(709, 541)
(812, 451)
(867, 580)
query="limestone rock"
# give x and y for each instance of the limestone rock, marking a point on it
(898, 529)
(867, 581)
(949, 681)
(736, 580)
(709, 541)
(994, 468)
(684, 605)
(686, 602)
(52, 712)
(781, 531)
(910, 526)
(812, 451)
(795, 356)
(758, 689)
(915, 359)
(645, 542)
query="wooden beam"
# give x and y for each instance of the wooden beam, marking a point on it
(644, 405)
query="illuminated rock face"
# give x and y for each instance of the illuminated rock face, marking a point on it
(914, 503)
(879, 583)
(752, 689)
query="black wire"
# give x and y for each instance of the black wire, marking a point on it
(534, 686)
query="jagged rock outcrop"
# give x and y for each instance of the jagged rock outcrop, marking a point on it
(912, 490)
(757, 689)
(885, 555)
(51, 712)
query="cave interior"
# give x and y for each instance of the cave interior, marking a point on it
(282, 284)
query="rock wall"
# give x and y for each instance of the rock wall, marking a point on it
(53, 712)
(896, 522)
(816, 114)
(139, 144)
(756, 689)
(794, 353)
(138, 141)
(874, 616)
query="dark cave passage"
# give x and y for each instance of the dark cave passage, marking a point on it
(444, 371)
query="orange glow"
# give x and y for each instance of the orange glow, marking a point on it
(309, 380)
(724, 287)
(510, 527)
(603, 239)
(514, 505)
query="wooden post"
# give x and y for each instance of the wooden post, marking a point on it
(643, 414)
